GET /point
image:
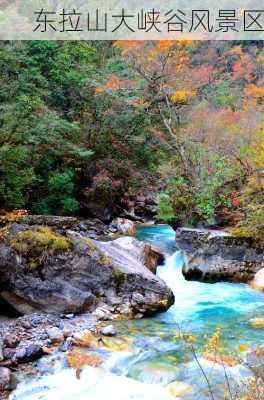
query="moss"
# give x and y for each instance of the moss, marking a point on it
(37, 244)
(119, 276)
(105, 260)
(90, 244)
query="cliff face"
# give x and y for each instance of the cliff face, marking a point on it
(41, 270)
(213, 256)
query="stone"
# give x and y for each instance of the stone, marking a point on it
(213, 256)
(5, 378)
(85, 339)
(258, 281)
(257, 323)
(11, 341)
(179, 389)
(29, 352)
(124, 226)
(56, 335)
(109, 330)
(67, 332)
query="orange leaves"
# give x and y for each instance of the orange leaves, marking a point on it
(113, 84)
(243, 68)
(255, 92)
(12, 216)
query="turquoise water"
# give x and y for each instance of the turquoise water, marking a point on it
(201, 307)
(198, 311)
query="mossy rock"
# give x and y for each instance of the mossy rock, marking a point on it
(105, 260)
(119, 276)
(37, 244)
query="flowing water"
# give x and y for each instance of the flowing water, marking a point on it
(153, 351)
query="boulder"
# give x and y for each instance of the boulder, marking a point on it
(213, 256)
(57, 274)
(258, 281)
(124, 226)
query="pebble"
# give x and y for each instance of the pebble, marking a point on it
(109, 330)
(55, 334)
(11, 341)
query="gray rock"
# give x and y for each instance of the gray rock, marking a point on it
(79, 280)
(56, 335)
(5, 378)
(213, 256)
(29, 352)
(109, 330)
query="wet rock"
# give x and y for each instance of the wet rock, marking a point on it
(5, 378)
(258, 281)
(213, 256)
(109, 330)
(56, 335)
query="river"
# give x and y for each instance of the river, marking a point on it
(160, 350)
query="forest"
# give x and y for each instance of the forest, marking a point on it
(84, 122)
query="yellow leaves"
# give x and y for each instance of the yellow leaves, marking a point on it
(182, 96)
(260, 59)
(214, 343)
